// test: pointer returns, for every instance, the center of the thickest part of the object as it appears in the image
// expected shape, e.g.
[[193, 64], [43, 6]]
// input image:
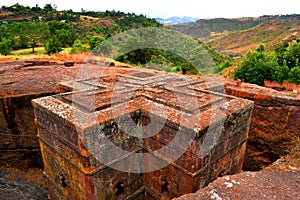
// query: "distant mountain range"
[[206, 29], [272, 33], [236, 36], [176, 20]]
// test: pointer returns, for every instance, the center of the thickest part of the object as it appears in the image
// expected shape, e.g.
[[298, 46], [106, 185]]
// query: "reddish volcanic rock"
[[83, 137], [279, 181], [20, 83], [251, 186], [274, 130], [275, 123]]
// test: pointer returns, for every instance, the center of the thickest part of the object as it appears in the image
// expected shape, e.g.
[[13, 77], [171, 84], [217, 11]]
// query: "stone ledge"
[[279, 181], [251, 186]]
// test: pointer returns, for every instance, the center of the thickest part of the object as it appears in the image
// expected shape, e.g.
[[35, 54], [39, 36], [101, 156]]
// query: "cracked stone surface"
[[256, 185], [18, 184], [13, 190], [279, 181], [252, 185]]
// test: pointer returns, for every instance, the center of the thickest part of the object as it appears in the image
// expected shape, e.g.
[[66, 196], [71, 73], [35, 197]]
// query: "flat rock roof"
[[143, 90], [21, 78]]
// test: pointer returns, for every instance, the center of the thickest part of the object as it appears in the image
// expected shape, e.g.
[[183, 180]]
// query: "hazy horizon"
[[170, 8]]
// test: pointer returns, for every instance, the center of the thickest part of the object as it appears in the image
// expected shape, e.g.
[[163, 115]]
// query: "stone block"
[[18, 142], [139, 135], [275, 123]]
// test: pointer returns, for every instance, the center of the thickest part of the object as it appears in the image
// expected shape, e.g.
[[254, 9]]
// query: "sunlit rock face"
[[139, 135], [275, 123]]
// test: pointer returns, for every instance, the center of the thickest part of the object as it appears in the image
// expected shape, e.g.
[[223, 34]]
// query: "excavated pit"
[[117, 114], [273, 131]]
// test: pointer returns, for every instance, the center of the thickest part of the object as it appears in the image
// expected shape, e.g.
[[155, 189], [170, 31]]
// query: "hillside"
[[206, 29], [272, 33], [24, 27], [85, 23]]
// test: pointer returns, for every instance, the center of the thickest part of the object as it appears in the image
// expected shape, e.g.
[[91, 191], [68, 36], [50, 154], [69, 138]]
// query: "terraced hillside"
[[271, 33], [23, 27], [236, 36], [208, 28]]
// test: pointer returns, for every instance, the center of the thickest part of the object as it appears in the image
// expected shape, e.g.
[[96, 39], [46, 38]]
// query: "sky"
[[168, 8]]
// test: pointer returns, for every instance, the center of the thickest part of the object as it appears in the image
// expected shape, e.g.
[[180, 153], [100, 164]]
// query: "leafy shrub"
[[281, 65], [95, 41], [53, 45], [294, 75], [258, 66], [5, 47], [78, 47], [224, 66]]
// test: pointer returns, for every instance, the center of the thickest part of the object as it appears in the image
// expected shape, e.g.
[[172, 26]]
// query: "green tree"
[[5, 32], [95, 41], [103, 31], [53, 45], [294, 75], [48, 8], [134, 53], [5, 47], [293, 55], [22, 42], [36, 9], [34, 18], [258, 66], [19, 9], [7, 37], [281, 53], [78, 47], [66, 37], [188, 68], [49, 16], [64, 33], [57, 25], [34, 33], [289, 53]]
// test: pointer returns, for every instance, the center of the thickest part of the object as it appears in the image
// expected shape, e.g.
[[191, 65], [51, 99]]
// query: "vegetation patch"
[[280, 65]]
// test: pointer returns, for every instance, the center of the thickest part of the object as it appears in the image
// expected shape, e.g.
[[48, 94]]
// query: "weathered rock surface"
[[20, 83], [279, 181], [194, 136], [13, 190], [275, 123], [251, 186], [277, 112], [16, 184]]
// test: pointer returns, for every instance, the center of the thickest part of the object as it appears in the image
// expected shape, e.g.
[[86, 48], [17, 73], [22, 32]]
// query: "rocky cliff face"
[[218, 135], [275, 123], [20, 83], [251, 186], [279, 181], [274, 130]]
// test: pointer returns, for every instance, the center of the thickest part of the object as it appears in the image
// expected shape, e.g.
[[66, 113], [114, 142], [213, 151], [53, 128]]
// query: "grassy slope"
[[203, 27], [271, 33], [87, 26], [39, 54], [27, 53]]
